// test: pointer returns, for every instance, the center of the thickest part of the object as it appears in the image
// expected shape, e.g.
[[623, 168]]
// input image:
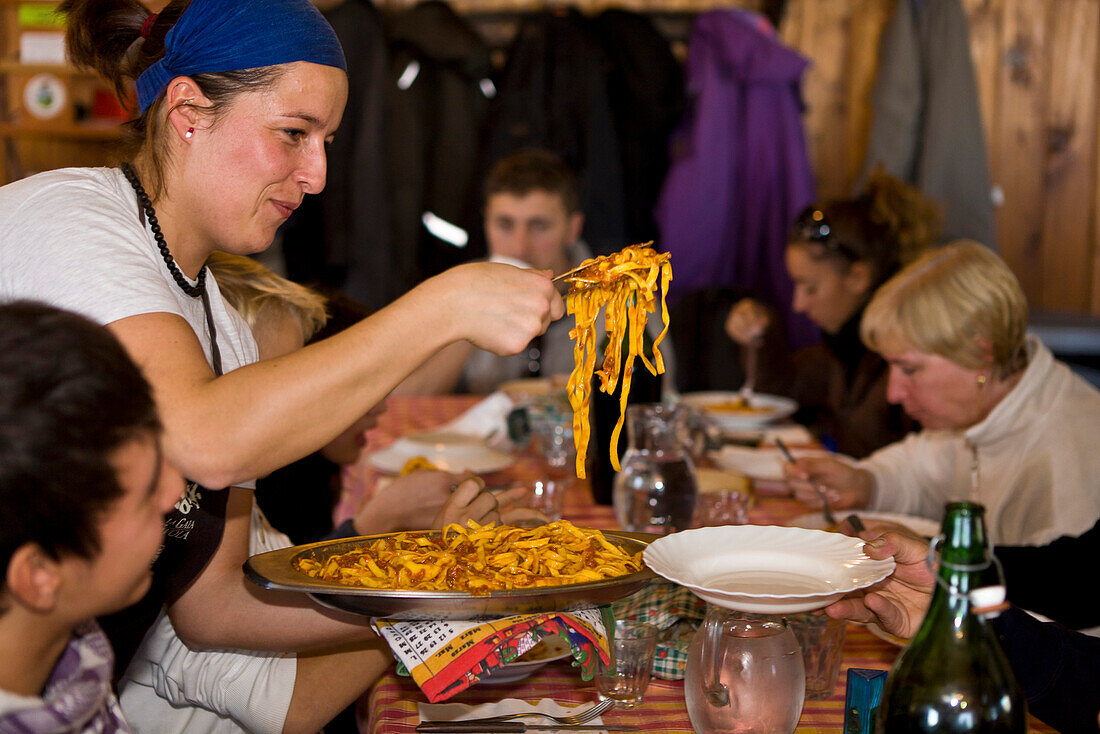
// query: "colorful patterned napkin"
[[446, 657], [676, 612]]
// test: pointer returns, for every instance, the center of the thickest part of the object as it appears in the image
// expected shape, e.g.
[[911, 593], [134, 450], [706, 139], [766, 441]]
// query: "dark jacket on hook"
[[553, 94], [646, 90], [342, 237], [437, 115]]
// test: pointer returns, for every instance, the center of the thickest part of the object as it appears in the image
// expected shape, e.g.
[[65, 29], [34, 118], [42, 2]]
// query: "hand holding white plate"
[[765, 569], [453, 452]]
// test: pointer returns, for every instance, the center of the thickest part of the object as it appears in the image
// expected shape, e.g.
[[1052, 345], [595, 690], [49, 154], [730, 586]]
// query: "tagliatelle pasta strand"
[[623, 285], [478, 559]]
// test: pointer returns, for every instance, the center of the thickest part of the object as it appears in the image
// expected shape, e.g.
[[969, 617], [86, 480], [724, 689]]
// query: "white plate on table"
[[453, 452], [766, 569], [919, 525], [718, 407], [762, 463], [545, 651]]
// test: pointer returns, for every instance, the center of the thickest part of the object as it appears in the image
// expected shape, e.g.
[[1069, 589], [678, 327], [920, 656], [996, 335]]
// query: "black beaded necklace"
[[147, 212]]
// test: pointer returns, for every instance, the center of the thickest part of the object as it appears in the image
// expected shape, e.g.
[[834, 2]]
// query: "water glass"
[[724, 498], [550, 422], [551, 431], [721, 508], [822, 641], [547, 496], [626, 677]]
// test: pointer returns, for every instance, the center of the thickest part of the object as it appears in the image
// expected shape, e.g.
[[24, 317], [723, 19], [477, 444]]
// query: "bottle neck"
[[965, 561]]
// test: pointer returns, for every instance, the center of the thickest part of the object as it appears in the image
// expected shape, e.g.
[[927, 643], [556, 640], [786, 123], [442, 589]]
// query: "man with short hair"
[[532, 220], [84, 488], [532, 212]]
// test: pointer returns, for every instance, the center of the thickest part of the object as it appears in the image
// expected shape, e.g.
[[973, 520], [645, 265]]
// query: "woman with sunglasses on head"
[[1003, 422], [237, 100], [840, 251]]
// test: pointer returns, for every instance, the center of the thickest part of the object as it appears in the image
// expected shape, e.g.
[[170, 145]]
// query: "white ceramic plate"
[[547, 650], [767, 408], [765, 569], [764, 463], [919, 525], [454, 452]]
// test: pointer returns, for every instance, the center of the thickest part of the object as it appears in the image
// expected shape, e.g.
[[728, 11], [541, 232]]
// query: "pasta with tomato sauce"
[[624, 285], [478, 559]]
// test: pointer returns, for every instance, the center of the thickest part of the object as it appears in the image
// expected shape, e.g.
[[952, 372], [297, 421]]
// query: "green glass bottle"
[[954, 676]]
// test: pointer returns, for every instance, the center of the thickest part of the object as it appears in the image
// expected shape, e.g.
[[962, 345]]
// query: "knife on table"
[[508, 727]]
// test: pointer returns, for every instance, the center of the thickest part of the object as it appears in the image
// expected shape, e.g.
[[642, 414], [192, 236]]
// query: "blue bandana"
[[230, 35]]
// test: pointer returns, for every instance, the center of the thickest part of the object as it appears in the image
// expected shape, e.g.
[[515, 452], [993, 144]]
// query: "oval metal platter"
[[275, 570]]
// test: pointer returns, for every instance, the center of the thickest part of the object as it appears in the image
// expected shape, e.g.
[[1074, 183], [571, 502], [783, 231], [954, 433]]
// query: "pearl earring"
[[190, 132]]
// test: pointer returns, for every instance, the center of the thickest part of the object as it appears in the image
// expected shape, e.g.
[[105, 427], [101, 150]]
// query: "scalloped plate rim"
[[656, 553]]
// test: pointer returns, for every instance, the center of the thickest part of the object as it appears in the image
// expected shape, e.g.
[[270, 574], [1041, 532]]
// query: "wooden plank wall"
[[1038, 72], [1038, 68]]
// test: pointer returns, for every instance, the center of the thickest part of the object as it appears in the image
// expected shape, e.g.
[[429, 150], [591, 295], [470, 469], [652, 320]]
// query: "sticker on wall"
[[44, 96]]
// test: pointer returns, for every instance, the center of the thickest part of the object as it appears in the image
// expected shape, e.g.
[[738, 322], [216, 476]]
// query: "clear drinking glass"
[[724, 498], [655, 490], [551, 426], [744, 676], [721, 507], [547, 496], [626, 677], [822, 641]]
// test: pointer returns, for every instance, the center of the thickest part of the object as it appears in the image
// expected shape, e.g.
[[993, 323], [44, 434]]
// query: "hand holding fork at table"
[[844, 485]]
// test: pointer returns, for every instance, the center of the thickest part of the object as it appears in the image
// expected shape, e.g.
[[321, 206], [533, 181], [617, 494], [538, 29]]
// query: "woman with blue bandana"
[[237, 100]]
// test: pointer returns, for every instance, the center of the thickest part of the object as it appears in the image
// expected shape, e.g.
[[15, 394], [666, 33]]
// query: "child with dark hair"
[[83, 493]]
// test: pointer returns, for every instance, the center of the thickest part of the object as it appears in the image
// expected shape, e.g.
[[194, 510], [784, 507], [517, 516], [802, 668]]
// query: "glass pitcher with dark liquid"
[[655, 490]]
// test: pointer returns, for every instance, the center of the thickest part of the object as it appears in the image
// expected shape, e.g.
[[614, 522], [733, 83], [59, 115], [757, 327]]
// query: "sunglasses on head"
[[813, 226]]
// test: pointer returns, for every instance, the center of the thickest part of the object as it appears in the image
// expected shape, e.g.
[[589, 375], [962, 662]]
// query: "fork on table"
[[581, 717]]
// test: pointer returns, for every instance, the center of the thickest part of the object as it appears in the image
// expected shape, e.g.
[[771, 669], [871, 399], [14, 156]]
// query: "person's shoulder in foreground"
[[84, 489]]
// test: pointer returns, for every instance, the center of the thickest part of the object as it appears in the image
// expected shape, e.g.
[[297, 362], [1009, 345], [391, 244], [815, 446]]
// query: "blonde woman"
[[1004, 423]]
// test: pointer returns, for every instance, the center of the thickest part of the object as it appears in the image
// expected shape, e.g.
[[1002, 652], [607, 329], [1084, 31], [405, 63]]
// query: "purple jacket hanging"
[[740, 172]]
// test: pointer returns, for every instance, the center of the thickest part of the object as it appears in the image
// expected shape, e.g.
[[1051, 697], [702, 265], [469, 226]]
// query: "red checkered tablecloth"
[[391, 707]]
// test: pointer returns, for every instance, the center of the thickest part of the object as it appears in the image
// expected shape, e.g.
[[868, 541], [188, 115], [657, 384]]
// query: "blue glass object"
[[863, 691]]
